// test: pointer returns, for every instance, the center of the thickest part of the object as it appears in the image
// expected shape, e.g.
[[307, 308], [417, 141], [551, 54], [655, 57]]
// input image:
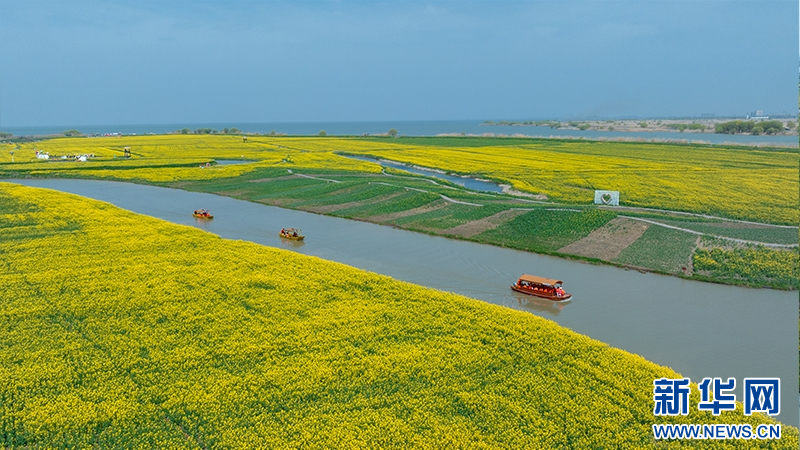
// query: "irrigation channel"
[[698, 329], [469, 183]]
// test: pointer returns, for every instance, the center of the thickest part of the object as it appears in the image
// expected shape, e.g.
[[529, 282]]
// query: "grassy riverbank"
[[126, 331], [556, 217]]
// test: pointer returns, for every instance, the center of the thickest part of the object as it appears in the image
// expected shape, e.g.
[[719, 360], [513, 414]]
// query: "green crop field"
[[546, 230], [660, 248], [751, 265], [308, 174], [726, 229]]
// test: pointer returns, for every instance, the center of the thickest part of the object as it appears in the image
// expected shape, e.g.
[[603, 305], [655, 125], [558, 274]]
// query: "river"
[[698, 329]]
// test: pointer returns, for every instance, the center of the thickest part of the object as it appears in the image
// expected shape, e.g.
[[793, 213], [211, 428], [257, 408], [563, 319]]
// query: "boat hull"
[[200, 216], [540, 294], [294, 238]]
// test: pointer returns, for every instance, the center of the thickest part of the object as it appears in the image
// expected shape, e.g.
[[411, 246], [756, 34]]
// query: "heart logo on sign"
[[606, 198]]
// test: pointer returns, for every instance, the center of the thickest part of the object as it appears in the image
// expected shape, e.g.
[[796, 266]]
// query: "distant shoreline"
[[695, 139], [693, 126], [468, 128]]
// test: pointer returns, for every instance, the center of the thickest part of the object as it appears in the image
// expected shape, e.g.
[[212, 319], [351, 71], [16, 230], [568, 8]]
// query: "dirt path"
[[683, 213], [340, 206], [317, 178], [476, 227], [609, 241], [432, 206], [266, 180], [699, 233], [428, 192]]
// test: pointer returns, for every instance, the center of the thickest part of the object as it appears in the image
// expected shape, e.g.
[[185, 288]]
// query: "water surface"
[[698, 329], [469, 183], [409, 128], [229, 162]]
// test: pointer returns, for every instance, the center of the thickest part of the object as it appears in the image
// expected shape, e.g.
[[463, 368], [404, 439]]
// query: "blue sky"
[[106, 62]]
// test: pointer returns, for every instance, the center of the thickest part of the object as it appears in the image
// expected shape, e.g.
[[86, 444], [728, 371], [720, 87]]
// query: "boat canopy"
[[540, 280]]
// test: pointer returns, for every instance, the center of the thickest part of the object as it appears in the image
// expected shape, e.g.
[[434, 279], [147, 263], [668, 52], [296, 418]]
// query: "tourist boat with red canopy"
[[546, 288], [202, 214], [294, 234]]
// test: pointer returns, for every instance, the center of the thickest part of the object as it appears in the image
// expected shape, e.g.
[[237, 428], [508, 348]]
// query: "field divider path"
[[561, 209], [458, 201], [507, 191], [383, 171], [476, 227], [705, 216], [446, 198], [699, 233], [686, 230], [313, 178]]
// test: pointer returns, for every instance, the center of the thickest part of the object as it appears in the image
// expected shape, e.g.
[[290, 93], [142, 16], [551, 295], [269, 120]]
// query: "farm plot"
[[753, 184], [308, 174]]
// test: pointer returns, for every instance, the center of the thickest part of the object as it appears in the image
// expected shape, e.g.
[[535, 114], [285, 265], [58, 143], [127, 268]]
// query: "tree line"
[[749, 126], [208, 131]]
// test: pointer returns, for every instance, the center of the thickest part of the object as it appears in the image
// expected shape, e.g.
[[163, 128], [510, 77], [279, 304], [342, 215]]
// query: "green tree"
[[72, 133], [323, 133], [678, 126], [772, 126], [185, 131], [393, 132]]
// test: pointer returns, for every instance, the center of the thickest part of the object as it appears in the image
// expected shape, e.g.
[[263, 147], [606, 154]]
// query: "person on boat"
[[283, 231], [559, 292], [294, 234]]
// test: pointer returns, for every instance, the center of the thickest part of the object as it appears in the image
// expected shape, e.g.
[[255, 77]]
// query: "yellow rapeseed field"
[[120, 330], [733, 182], [167, 158], [759, 185]]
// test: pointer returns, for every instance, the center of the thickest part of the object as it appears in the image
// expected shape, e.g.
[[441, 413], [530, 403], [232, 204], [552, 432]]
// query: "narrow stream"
[[469, 183], [698, 329]]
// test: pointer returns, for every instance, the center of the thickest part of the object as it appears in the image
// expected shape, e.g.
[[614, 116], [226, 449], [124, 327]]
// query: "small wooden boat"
[[294, 234], [541, 287], [202, 214]]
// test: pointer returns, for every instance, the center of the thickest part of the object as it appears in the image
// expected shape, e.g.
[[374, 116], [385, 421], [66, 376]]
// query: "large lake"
[[409, 128], [698, 329]]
